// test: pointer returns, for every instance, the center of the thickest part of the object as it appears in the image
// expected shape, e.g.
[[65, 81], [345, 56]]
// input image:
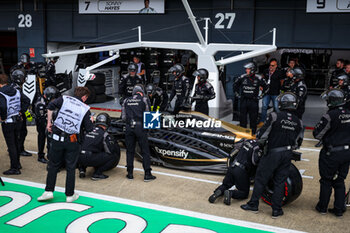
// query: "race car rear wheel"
[[292, 187]]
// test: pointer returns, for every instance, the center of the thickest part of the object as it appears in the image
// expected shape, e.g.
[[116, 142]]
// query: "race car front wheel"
[[292, 187]]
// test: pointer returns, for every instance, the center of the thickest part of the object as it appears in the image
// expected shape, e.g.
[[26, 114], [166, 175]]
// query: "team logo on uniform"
[[151, 120]]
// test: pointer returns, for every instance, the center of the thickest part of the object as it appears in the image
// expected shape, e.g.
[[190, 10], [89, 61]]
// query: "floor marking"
[[33, 152], [302, 171], [161, 208], [309, 149], [177, 176], [307, 160], [310, 139]]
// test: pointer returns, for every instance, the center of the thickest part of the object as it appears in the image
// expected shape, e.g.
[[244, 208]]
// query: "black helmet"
[[179, 69], [132, 67], [51, 93], [287, 101], [138, 88], [345, 78], [103, 119], [251, 66], [297, 73], [24, 58], [54, 59], [18, 76], [150, 89], [202, 73], [334, 97]]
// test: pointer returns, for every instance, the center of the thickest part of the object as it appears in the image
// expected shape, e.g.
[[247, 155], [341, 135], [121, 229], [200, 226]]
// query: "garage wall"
[[30, 31], [296, 28], [59, 21]]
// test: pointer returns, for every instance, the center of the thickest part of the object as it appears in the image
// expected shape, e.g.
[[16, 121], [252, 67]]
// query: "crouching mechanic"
[[247, 155], [98, 149], [333, 129], [158, 98], [132, 114], [73, 115], [282, 132]]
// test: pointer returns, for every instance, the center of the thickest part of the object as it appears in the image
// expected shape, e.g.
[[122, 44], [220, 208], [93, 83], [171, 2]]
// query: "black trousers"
[[249, 107], [300, 111], [41, 128], [22, 135], [333, 170], [238, 177], [133, 135], [275, 166], [10, 132], [178, 105], [202, 107], [62, 153], [100, 161]]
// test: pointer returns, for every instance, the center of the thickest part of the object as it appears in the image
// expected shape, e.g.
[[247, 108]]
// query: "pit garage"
[[96, 41]]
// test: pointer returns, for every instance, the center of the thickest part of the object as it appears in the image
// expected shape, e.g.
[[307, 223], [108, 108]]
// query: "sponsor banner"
[[20, 212], [121, 7], [322, 6]]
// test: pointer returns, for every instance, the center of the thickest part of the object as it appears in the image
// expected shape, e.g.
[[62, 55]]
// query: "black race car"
[[201, 149]]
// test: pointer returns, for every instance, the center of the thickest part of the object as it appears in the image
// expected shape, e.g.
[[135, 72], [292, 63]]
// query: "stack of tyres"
[[97, 89]]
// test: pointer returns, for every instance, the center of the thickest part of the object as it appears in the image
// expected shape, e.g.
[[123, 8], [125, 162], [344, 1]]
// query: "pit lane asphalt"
[[190, 190]]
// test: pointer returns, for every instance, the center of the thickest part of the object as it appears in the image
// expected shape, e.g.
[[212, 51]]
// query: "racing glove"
[[29, 116]]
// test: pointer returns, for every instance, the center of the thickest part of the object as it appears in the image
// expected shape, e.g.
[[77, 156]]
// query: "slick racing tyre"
[[292, 187], [92, 96], [99, 89], [100, 79], [100, 98]]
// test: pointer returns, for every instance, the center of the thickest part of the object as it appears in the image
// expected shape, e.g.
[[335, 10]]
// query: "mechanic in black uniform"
[[247, 155], [50, 72], [73, 115], [333, 129], [282, 133], [339, 70], [132, 114], [127, 82], [158, 98], [204, 91], [343, 84], [12, 104], [25, 67], [98, 149], [181, 87], [25, 64], [295, 84], [40, 109], [249, 85]]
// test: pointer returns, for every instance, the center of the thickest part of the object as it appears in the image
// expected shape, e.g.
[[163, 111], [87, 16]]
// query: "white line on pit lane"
[[310, 139], [193, 178], [188, 177], [309, 149], [177, 176], [302, 172]]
